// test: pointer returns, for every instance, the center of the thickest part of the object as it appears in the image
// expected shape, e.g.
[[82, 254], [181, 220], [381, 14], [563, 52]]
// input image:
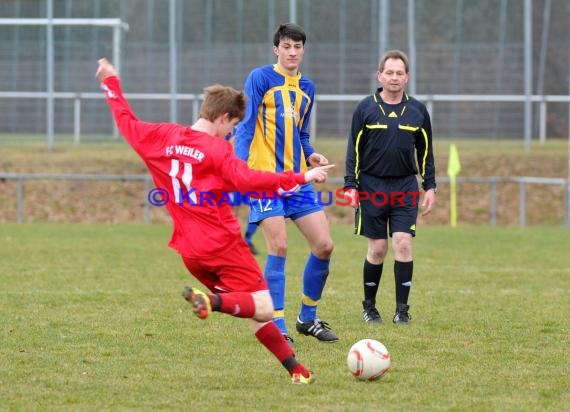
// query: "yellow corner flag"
[[454, 166], [453, 169]]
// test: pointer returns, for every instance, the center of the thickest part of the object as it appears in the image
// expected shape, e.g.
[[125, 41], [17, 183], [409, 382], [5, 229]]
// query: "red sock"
[[238, 304], [271, 337]]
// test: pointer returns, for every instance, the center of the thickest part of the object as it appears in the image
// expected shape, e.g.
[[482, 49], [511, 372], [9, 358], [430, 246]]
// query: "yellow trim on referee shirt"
[[423, 167]]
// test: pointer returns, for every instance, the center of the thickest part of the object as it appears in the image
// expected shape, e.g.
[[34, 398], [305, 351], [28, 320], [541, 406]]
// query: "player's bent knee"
[[263, 306], [323, 249], [263, 317], [278, 247], [263, 314], [329, 247]]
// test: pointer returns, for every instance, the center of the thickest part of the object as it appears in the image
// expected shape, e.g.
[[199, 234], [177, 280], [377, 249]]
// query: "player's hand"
[[105, 70], [288, 192], [353, 195], [429, 201], [317, 159], [318, 174]]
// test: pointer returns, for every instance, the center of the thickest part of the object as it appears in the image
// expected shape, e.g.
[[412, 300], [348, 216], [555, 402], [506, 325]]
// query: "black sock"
[[215, 302], [371, 279], [403, 275], [290, 363]]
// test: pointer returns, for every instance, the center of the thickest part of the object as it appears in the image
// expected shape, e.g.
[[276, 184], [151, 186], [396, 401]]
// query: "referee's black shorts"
[[387, 205]]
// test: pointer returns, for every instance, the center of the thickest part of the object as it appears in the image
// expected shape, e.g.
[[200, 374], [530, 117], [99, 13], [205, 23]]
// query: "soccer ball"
[[368, 359]]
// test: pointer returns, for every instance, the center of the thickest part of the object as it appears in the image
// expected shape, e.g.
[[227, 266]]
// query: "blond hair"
[[220, 99]]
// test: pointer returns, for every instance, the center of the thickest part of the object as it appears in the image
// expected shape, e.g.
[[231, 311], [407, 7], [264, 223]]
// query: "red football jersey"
[[198, 171]]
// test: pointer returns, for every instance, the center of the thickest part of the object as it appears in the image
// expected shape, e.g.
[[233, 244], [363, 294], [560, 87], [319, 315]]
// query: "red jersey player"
[[196, 169]]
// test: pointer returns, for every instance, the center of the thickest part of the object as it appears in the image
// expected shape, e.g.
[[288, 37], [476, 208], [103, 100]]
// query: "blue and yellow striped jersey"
[[274, 134]]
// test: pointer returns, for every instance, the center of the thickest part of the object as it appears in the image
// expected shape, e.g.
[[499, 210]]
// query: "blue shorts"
[[300, 204]]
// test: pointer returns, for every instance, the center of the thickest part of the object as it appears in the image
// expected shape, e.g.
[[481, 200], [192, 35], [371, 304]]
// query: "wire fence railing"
[[492, 182], [317, 126]]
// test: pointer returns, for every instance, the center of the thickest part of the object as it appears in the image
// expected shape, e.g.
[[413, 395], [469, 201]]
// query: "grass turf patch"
[[93, 319]]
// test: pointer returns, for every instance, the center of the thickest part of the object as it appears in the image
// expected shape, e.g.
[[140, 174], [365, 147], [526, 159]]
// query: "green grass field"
[[93, 319]]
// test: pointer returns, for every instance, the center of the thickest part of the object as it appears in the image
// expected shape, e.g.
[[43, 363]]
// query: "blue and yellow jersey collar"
[[278, 70]]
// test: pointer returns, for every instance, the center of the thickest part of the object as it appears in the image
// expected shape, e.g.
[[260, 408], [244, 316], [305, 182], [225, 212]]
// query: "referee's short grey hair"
[[393, 54]]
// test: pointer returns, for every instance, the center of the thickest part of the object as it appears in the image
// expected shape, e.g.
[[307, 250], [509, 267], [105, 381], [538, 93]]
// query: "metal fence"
[[176, 47], [493, 183], [435, 104], [488, 68]]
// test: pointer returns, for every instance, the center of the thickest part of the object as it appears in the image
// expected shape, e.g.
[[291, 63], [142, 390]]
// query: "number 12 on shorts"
[[263, 205]]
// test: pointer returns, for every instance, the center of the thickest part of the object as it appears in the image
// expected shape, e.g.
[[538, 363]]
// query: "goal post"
[[117, 25]]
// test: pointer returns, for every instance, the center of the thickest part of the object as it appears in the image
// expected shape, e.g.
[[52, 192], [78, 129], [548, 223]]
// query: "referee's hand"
[[353, 195], [429, 201]]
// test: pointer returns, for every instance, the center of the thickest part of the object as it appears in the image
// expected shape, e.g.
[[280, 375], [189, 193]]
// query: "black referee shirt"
[[390, 140]]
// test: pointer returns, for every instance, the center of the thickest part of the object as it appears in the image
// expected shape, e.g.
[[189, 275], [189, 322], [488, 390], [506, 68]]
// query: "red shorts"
[[234, 270]]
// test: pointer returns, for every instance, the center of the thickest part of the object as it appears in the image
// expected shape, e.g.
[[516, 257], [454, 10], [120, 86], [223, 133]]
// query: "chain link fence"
[[460, 47]]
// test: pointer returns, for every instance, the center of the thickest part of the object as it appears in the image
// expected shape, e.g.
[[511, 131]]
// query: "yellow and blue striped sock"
[[314, 279]]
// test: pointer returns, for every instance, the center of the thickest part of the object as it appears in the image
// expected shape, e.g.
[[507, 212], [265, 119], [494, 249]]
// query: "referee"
[[389, 145]]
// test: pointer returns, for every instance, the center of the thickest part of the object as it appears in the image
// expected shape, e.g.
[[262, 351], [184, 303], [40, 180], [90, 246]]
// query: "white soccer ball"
[[368, 359]]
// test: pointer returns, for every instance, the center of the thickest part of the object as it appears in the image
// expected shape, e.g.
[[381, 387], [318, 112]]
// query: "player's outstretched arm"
[[136, 132], [318, 174]]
